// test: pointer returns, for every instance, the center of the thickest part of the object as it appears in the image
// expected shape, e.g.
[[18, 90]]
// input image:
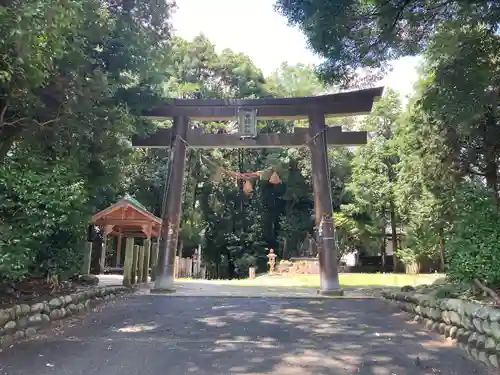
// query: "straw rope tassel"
[[274, 179]]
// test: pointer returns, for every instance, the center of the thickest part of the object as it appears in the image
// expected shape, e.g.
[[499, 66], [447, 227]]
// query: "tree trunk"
[[179, 250], [217, 266], [491, 176], [382, 248], [488, 291], [394, 234], [242, 202], [490, 152], [441, 252], [179, 255], [8, 135], [392, 212]]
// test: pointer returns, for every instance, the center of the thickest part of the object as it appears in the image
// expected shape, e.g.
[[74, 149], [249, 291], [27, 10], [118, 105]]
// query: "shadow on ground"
[[208, 288], [152, 335]]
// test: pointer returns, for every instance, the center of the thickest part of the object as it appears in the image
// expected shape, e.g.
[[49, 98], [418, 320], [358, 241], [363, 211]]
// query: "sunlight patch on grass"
[[346, 279], [389, 279]]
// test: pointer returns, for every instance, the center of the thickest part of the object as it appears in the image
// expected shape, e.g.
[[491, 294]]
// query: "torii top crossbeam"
[[350, 103]]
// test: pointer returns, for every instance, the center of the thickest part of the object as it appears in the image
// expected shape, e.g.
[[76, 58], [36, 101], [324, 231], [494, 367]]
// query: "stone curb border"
[[22, 321], [474, 327]]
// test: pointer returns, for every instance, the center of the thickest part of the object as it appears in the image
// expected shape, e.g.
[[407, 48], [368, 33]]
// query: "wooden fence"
[[141, 261], [183, 267]]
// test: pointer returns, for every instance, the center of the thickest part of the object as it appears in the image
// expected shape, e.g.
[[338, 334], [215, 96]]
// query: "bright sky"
[[254, 28]]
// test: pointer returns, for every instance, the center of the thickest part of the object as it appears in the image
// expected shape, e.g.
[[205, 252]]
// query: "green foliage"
[[294, 81], [473, 245], [425, 184], [75, 77], [353, 34], [352, 233], [233, 224], [245, 262], [461, 96], [446, 291], [448, 135], [373, 180], [43, 218]]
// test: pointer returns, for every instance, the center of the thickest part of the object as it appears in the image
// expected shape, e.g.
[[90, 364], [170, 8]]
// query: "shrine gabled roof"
[[134, 202], [127, 200]]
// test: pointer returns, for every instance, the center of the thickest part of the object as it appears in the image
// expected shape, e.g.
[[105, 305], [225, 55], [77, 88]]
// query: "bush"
[[407, 256], [473, 247], [42, 219]]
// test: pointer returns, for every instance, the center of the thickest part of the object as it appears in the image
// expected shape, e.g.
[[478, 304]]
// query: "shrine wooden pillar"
[[102, 259], [119, 250], [128, 262], [172, 212], [140, 264], [135, 261], [147, 260], [106, 230], [154, 259], [87, 257], [87, 253], [329, 277]]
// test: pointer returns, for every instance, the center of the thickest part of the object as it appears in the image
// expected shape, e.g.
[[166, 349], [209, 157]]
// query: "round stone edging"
[[23, 321], [475, 328]]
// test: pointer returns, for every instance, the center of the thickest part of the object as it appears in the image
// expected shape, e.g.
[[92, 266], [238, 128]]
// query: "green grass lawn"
[[376, 279], [346, 279]]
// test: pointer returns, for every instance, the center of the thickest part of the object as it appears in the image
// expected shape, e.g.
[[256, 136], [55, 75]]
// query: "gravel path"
[[161, 335]]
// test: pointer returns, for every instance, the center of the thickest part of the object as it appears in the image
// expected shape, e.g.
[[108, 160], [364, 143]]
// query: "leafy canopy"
[[352, 34]]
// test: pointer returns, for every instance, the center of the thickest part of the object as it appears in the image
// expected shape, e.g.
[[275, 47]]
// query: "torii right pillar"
[[323, 207]]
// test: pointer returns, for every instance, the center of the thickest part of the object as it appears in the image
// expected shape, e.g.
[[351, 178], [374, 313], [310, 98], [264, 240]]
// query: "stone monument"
[[309, 247], [307, 263]]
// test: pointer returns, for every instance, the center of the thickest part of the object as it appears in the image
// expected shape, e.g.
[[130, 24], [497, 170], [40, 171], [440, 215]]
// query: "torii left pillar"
[[172, 212]]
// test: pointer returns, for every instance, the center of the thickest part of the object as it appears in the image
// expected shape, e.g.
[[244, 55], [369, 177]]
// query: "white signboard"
[[247, 121]]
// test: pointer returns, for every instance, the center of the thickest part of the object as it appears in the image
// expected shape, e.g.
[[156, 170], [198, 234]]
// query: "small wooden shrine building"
[[128, 219]]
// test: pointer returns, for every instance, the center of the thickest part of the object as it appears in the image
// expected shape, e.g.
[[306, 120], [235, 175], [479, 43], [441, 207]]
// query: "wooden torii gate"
[[318, 137]]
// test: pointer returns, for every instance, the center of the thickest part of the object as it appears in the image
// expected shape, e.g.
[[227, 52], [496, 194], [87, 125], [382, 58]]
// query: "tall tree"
[[354, 34], [74, 78], [217, 209], [463, 96], [450, 136], [294, 81], [374, 173]]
